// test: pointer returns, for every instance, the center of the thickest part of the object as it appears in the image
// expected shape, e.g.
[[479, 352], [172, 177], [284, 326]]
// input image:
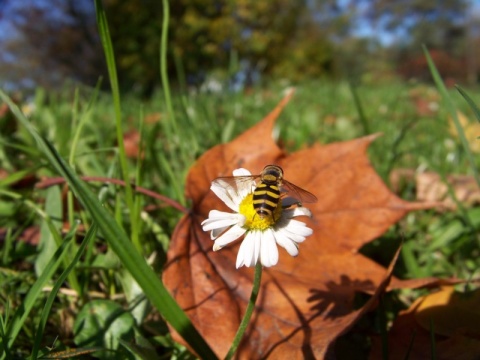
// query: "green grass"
[[436, 244]]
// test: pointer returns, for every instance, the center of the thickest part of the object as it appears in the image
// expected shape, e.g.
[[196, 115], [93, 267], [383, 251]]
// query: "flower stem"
[[248, 312]]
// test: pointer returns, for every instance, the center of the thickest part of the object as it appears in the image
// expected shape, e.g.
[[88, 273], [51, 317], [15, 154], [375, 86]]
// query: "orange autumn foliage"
[[306, 302], [447, 318]]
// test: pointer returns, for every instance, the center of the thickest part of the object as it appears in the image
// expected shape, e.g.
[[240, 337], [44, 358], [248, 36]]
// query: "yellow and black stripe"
[[266, 198]]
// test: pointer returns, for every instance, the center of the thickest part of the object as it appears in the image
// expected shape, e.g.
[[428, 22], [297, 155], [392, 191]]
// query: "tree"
[[430, 22], [203, 34], [54, 40], [58, 39], [440, 25]]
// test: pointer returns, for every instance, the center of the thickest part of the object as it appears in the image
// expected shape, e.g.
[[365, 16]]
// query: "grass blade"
[[470, 102], [120, 243], [163, 67], [453, 113], [23, 311], [51, 297], [359, 107], [112, 73]]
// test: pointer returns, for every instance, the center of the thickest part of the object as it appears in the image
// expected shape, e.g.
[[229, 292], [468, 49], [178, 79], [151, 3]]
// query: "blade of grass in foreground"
[[120, 243], [470, 102], [466, 146], [112, 74], [474, 108], [163, 66], [171, 125], [453, 113], [51, 297], [359, 107]]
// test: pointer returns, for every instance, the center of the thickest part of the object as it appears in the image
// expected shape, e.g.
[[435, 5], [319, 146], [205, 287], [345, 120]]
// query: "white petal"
[[297, 211], [291, 230], [298, 238], [249, 250], [269, 251], [242, 251], [220, 219], [244, 187], [299, 228], [224, 192], [257, 236], [241, 172], [233, 194], [226, 238], [285, 242], [217, 232]]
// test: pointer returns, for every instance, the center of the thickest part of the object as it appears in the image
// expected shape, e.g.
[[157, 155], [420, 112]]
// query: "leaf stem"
[[248, 312]]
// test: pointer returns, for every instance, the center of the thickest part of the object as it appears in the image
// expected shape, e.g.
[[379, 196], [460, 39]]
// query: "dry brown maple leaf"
[[431, 187], [471, 130], [452, 318], [306, 302]]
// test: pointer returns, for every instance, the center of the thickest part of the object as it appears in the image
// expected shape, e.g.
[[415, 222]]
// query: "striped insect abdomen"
[[265, 199]]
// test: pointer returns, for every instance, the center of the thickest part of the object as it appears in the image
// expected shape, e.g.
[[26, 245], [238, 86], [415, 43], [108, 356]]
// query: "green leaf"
[[48, 243], [51, 297], [135, 297], [102, 323], [142, 349]]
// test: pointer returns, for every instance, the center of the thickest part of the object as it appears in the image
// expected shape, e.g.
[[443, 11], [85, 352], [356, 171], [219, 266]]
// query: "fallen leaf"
[[305, 303], [425, 100], [399, 179], [471, 129], [131, 142], [18, 180], [450, 312], [453, 318], [30, 235], [430, 187], [153, 118]]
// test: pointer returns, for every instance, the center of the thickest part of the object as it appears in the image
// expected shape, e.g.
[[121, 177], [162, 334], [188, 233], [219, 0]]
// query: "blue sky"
[[365, 29]]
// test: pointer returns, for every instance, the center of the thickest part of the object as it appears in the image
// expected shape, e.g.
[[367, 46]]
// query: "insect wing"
[[235, 181], [298, 193]]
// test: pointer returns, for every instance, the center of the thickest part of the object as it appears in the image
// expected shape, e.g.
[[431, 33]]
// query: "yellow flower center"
[[253, 221]]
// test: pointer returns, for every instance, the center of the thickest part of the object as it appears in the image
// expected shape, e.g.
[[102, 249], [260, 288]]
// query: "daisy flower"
[[261, 234]]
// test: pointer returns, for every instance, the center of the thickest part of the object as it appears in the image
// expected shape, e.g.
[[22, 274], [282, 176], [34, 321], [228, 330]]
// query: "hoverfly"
[[267, 194]]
